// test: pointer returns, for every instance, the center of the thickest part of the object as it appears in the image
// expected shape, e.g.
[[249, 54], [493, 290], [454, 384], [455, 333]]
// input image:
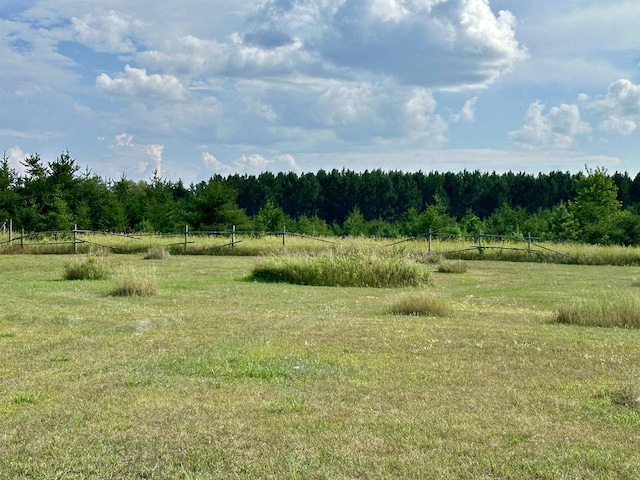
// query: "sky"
[[193, 88]]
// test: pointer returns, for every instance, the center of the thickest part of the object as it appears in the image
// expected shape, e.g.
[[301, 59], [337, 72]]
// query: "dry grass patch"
[[343, 267], [422, 305], [610, 309], [136, 283], [91, 268], [157, 253], [452, 266]]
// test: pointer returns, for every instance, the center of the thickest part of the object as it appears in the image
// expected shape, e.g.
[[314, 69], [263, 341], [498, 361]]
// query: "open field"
[[217, 378]]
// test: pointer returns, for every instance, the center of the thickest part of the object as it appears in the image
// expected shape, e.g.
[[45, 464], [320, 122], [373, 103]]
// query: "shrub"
[[605, 310], [452, 266], [91, 268], [422, 305], [350, 267], [136, 283]]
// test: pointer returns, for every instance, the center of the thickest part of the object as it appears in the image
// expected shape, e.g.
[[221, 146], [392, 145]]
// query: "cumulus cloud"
[[619, 109], [253, 164], [106, 31], [136, 82], [446, 44], [16, 156], [144, 154], [556, 129], [467, 113]]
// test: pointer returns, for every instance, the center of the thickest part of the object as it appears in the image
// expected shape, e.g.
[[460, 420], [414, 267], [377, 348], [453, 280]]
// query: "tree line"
[[590, 206]]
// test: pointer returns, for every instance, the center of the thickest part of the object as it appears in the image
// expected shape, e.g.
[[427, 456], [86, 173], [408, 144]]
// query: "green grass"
[[219, 378]]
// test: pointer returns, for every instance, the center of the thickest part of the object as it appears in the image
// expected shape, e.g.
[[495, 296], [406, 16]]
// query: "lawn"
[[216, 377]]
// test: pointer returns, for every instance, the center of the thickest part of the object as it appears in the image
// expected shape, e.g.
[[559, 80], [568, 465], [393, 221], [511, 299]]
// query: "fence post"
[[10, 231], [22, 239], [75, 238], [186, 236], [480, 241], [529, 243], [430, 239], [284, 235], [233, 237]]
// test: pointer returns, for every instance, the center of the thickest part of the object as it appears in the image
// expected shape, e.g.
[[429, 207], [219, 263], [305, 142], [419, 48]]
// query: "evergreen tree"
[[596, 205]]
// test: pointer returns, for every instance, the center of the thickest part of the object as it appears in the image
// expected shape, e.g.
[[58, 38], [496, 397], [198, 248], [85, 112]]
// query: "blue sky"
[[200, 87]]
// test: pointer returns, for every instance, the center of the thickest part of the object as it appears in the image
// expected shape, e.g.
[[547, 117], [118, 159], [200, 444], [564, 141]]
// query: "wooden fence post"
[[10, 231], [233, 237], [22, 239], [75, 238], [430, 239], [186, 236], [480, 241], [529, 243], [284, 235]]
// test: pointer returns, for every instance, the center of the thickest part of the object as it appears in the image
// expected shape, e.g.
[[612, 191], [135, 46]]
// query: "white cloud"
[[136, 82], [619, 109], [143, 154], [253, 164], [123, 140], [106, 31], [556, 129], [154, 152], [467, 114], [449, 44], [16, 156]]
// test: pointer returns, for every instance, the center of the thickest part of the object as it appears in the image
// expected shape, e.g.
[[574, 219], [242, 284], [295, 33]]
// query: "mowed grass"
[[215, 377]]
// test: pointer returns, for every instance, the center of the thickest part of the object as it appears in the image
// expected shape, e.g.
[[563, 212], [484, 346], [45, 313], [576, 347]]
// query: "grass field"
[[215, 377]]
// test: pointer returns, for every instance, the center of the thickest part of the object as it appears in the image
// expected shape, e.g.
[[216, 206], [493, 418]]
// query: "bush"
[[604, 310], [91, 268], [136, 283], [422, 305], [349, 267]]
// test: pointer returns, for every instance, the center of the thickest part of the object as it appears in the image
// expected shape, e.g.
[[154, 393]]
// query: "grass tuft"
[[136, 283], [91, 268], [628, 397], [605, 310], [452, 266], [347, 267], [157, 253], [422, 305]]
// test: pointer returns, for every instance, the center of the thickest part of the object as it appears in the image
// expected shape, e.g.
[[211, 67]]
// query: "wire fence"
[[221, 241]]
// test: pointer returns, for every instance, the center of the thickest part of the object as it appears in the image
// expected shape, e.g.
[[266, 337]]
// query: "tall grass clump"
[[604, 310], [157, 253], [136, 283], [91, 268], [422, 305], [452, 266], [343, 267]]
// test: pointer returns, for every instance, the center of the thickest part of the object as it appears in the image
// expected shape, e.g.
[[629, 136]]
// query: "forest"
[[591, 206]]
